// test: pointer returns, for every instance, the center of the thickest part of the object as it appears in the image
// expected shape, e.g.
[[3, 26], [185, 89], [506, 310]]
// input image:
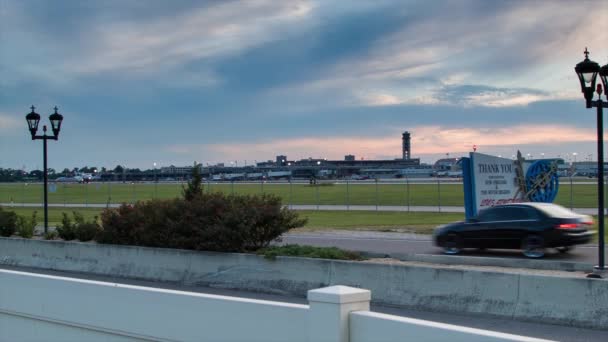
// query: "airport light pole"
[[33, 119], [587, 72]]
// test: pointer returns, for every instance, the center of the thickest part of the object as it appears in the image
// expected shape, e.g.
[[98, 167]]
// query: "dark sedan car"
[[531, 227]]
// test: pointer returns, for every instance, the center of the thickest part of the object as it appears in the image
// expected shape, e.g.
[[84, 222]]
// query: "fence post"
[[317, 194], [376, 179], [407, 188], [571, 192], [347, 196], [289, 205], [23, 194], [133, 193], [86, 195], [109, 194], [330, 309], [232, 186], [439, 194]]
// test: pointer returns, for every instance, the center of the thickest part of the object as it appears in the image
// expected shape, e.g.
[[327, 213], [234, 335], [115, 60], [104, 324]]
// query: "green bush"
[[212, 222], [81, 229], [309, 252], [66, 230], [8, 222], [51, 235], [26, 227]]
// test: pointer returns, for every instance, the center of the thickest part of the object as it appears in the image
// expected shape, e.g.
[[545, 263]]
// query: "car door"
[[507, 232], [476, 233], [496, 229]]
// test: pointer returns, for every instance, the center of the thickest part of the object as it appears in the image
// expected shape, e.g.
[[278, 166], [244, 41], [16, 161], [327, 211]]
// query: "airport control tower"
[[406, 146]]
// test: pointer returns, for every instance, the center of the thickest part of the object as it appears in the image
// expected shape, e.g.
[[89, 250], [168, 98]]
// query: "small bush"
[[66, 230], [87, 231], [309, 252], [81, 229], [51, 235], [194, 188], [8, 222], [211, 222], [25, 226]]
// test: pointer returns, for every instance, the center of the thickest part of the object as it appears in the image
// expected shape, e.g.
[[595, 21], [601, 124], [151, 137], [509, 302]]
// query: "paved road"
[[546, 331], [389, 243]]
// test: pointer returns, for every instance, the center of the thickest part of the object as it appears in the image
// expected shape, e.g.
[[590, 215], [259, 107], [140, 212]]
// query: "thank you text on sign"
[[494, 181]]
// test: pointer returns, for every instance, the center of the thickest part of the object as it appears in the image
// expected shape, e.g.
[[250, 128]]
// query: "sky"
[[157, 82]]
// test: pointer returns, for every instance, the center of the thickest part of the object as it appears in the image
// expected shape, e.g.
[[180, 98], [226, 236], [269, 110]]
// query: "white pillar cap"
[[339, 295]]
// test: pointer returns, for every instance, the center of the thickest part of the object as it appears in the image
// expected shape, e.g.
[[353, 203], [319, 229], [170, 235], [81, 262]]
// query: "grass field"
[[317, 220], [444, 194], [401, 222]]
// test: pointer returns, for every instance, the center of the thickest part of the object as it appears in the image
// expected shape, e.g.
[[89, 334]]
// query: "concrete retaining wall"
[[573, 301], [35, 307]]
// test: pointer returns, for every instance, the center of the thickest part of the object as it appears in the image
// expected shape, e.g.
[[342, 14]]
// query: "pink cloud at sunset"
[[425, 140]]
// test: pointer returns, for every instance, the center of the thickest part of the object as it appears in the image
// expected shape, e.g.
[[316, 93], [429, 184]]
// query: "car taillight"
[[567, 226], [589, 223]]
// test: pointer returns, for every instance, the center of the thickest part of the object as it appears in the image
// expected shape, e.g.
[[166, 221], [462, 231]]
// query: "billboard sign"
[[490, 180]]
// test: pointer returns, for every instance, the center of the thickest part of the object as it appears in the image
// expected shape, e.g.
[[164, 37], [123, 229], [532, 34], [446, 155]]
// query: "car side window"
[[507, 214], [490, 214], [516, 213], [532, 214]]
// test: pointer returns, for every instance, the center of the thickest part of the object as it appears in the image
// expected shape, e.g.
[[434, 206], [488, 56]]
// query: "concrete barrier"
[[67, 309], [553, 265], [564, 300]]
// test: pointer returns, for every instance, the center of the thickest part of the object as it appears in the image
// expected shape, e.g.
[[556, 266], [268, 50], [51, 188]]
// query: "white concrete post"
[[329, 312]]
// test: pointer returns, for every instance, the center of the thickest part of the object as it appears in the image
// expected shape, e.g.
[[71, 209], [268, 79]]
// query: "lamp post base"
[[598, 273]]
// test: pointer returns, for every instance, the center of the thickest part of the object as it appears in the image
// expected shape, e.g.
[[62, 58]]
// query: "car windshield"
[[557, 211]]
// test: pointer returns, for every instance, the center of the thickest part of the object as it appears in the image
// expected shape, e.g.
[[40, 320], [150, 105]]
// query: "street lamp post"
[[155, 182], [33, 119], [587, 71]]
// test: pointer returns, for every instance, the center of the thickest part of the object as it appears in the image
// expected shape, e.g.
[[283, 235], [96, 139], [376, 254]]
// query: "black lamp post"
[[587, 71], [33, 119]]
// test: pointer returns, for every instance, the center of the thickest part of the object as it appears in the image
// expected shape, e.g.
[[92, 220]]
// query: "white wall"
[[377, 327], [33, 306], [36, 307]]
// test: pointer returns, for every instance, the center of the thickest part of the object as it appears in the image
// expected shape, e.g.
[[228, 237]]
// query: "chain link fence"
[[401, 194]]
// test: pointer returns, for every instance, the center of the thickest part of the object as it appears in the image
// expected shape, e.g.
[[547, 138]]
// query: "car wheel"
[[564, 249], [533, 246], [452, 244]]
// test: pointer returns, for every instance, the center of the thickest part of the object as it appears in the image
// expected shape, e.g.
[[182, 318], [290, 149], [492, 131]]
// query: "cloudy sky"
[[172, 82]]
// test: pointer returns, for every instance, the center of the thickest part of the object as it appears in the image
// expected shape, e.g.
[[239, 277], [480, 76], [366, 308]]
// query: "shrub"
[[51, 235], [212, 222], [194, 188], [26, 227], [309, 252], [66, 230], [8, 222], [87, 231], [81, 229]]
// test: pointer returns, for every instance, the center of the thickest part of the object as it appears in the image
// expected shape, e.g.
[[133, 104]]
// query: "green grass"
[[415, 222], [576, 196], [317, 220], [55, 213], [309, 252], [412, 222]]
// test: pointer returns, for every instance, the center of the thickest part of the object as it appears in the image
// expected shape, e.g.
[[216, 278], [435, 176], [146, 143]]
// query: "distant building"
[[281, 160], [445, 164], [406, 145], [308, 168]]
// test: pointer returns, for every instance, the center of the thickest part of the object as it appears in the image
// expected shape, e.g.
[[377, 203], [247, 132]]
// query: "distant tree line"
[[17, 175]]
